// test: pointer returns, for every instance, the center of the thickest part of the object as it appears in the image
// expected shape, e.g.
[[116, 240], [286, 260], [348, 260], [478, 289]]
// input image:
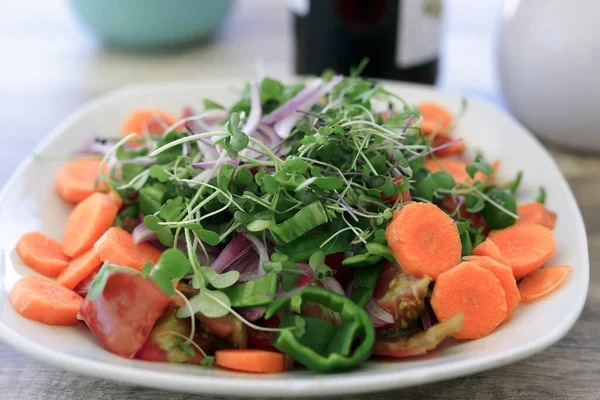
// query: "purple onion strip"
[[235, 249], [433, 150], [288, 108], [252, 313], [141, 234], [408, 122], [381, 319], [284, 126], [255, 111]]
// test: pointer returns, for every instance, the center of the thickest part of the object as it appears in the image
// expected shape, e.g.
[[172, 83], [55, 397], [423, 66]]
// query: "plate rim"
[[244, 386]]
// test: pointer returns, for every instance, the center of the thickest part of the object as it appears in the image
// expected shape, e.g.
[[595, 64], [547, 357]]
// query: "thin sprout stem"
[[190, 339], [232, 228], [334, 235], [268, 151], [244, 320], [182, 336], [112, 150], [190, 138]]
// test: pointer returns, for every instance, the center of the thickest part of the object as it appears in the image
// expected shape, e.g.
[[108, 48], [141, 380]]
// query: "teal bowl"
[[151, 23]]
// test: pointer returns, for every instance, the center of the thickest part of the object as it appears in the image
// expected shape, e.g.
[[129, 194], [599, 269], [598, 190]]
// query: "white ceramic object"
[[548, 54], [28, 202]]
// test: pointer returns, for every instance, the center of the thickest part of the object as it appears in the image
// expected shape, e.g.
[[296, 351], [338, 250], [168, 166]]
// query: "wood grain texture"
[[55, 69]]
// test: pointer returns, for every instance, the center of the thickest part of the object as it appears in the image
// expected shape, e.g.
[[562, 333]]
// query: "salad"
[[315, 224]]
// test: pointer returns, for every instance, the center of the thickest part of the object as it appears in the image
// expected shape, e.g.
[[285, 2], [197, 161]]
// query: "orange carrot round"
[[424, 240], [524, 247], [251, 360], [154, 121], [88, 221], [77, 180], [505, 276], [42, 253], [436, 118], [79, 268], [543, 281], [116, 247], [457, 168], [487, 248], [536, 213], [45, 301], [474, 291]]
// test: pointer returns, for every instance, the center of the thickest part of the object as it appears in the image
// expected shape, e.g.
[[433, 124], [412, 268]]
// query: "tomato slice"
[[262, 339], [123, 316], [449, 204], [163, 344]]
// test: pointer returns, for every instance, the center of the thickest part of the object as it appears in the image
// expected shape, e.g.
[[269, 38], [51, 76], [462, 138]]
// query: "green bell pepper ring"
[[334, 353]]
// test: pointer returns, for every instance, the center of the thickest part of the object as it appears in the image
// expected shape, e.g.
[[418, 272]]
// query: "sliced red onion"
[[187, 112], [255, 111], [96, 146], [381, 319], [333, 285], [83, 287], [288, 108], [284, 126], [246, 265], [252, 313], [408, 122], [434, 149], [235, 249], [203, 122], [263, 255], [428, 318], [141, 233]]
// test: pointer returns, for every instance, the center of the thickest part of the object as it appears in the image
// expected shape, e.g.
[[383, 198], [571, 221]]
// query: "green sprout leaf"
[[222, 280], [541, 197], [99, 282]]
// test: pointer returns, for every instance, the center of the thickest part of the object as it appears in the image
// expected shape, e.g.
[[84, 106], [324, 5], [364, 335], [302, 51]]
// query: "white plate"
[[28, 203]]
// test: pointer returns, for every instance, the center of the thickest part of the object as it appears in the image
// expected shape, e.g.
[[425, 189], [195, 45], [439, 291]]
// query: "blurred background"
[[56, 56], [534, 58]]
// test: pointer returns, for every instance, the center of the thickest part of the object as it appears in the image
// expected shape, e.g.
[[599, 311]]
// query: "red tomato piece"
[[449, 205], [262, 339], [123, 316]]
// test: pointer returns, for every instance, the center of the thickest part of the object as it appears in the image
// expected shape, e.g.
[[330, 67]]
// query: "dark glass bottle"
[[401, 38]]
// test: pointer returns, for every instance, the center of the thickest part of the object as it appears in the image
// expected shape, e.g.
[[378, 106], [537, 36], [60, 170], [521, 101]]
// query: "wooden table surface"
[[50, 67]]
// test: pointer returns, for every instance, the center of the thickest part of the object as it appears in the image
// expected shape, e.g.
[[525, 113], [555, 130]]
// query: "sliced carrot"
[[474, 291], [536, 213], [524, 247], [45, 301], [543, 281], [452, 150], [116, 247], [153, 121], [79, 268], [436, 118], [504, 274], [42, 253], [424, 240], [487, 248], [88, 221], [77, 179], [251, 360], [457, 168]]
